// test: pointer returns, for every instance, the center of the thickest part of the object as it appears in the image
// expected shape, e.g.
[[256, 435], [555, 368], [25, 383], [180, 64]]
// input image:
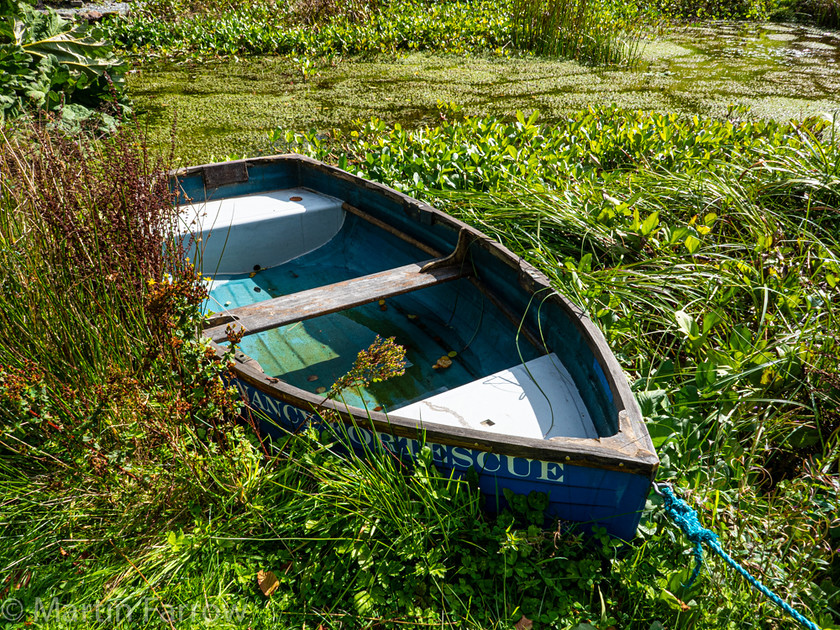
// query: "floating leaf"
[[267, 582]]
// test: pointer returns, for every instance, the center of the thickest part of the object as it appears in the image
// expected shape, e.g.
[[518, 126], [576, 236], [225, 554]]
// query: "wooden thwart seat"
[[331, 298]]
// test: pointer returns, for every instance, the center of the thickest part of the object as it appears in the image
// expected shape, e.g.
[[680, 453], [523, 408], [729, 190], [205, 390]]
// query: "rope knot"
[[686, 518]]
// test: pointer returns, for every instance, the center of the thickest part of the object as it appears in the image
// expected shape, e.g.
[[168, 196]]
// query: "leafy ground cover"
[[706, 249], [314, 30], [606, 33], [50, 64]]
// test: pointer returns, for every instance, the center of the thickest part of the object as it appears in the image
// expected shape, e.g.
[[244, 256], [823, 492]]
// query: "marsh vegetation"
[[701, 238]]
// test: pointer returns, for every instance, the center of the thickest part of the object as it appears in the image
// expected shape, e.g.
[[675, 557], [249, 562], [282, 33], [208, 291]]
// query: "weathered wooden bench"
[[331, 298]]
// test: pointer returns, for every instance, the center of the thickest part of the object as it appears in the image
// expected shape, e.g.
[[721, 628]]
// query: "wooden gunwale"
[[613, 453], [629, 450]]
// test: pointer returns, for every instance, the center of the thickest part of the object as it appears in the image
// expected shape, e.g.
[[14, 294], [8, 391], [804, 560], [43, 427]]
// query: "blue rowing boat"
[[504, 375]]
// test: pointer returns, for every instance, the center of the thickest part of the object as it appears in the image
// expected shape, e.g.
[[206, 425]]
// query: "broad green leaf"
[[710, 320], [692, 244], [687, 324], [650, 400], [706, 375], [650, 224], [740, 340]]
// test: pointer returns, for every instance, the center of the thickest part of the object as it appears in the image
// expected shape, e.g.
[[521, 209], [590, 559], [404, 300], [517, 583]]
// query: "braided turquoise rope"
[[686, 519]]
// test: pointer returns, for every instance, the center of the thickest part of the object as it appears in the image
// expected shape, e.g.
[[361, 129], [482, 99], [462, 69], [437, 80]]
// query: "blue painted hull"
[[591, 481], [576, 494]]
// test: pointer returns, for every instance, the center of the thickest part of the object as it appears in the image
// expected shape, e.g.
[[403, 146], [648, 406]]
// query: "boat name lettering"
[[448, 456], [462, 458], [285, 413]]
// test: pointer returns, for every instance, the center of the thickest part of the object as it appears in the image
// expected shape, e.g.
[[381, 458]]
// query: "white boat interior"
[[500, 389]]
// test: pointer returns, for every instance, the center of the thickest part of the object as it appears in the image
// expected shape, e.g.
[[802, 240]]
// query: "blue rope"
[[686, 519]]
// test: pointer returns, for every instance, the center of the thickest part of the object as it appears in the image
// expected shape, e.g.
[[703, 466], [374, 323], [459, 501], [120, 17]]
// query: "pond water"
[[228, 107], [779, 70]]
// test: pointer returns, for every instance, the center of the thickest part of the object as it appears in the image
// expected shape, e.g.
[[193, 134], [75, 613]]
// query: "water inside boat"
[[268, 245]]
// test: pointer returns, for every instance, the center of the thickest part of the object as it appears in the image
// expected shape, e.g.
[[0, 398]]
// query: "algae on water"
[[228, 107]]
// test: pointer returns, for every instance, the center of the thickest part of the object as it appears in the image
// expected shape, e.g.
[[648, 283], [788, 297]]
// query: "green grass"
[[707, 251], [710, 260], [578, 29]]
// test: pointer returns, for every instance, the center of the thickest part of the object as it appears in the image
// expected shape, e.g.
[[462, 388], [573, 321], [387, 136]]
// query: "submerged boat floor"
[[496, 382]]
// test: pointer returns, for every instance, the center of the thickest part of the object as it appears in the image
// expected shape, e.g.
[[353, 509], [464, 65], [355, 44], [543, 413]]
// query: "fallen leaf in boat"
[[382, 305], [410, 316], [378, 408], [252, 274], [320, 390], [443, 362], [524, 623], [295, 198], [311, 377], [452, 354], [271, 379], [267, 582]]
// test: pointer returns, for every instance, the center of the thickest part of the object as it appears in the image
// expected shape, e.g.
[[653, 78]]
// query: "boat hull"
[[601, 480], [580, 495]]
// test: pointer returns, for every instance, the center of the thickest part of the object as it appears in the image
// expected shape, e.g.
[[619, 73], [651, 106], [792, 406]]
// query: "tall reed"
[[584, 30], [825, 12], [83, 228]]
